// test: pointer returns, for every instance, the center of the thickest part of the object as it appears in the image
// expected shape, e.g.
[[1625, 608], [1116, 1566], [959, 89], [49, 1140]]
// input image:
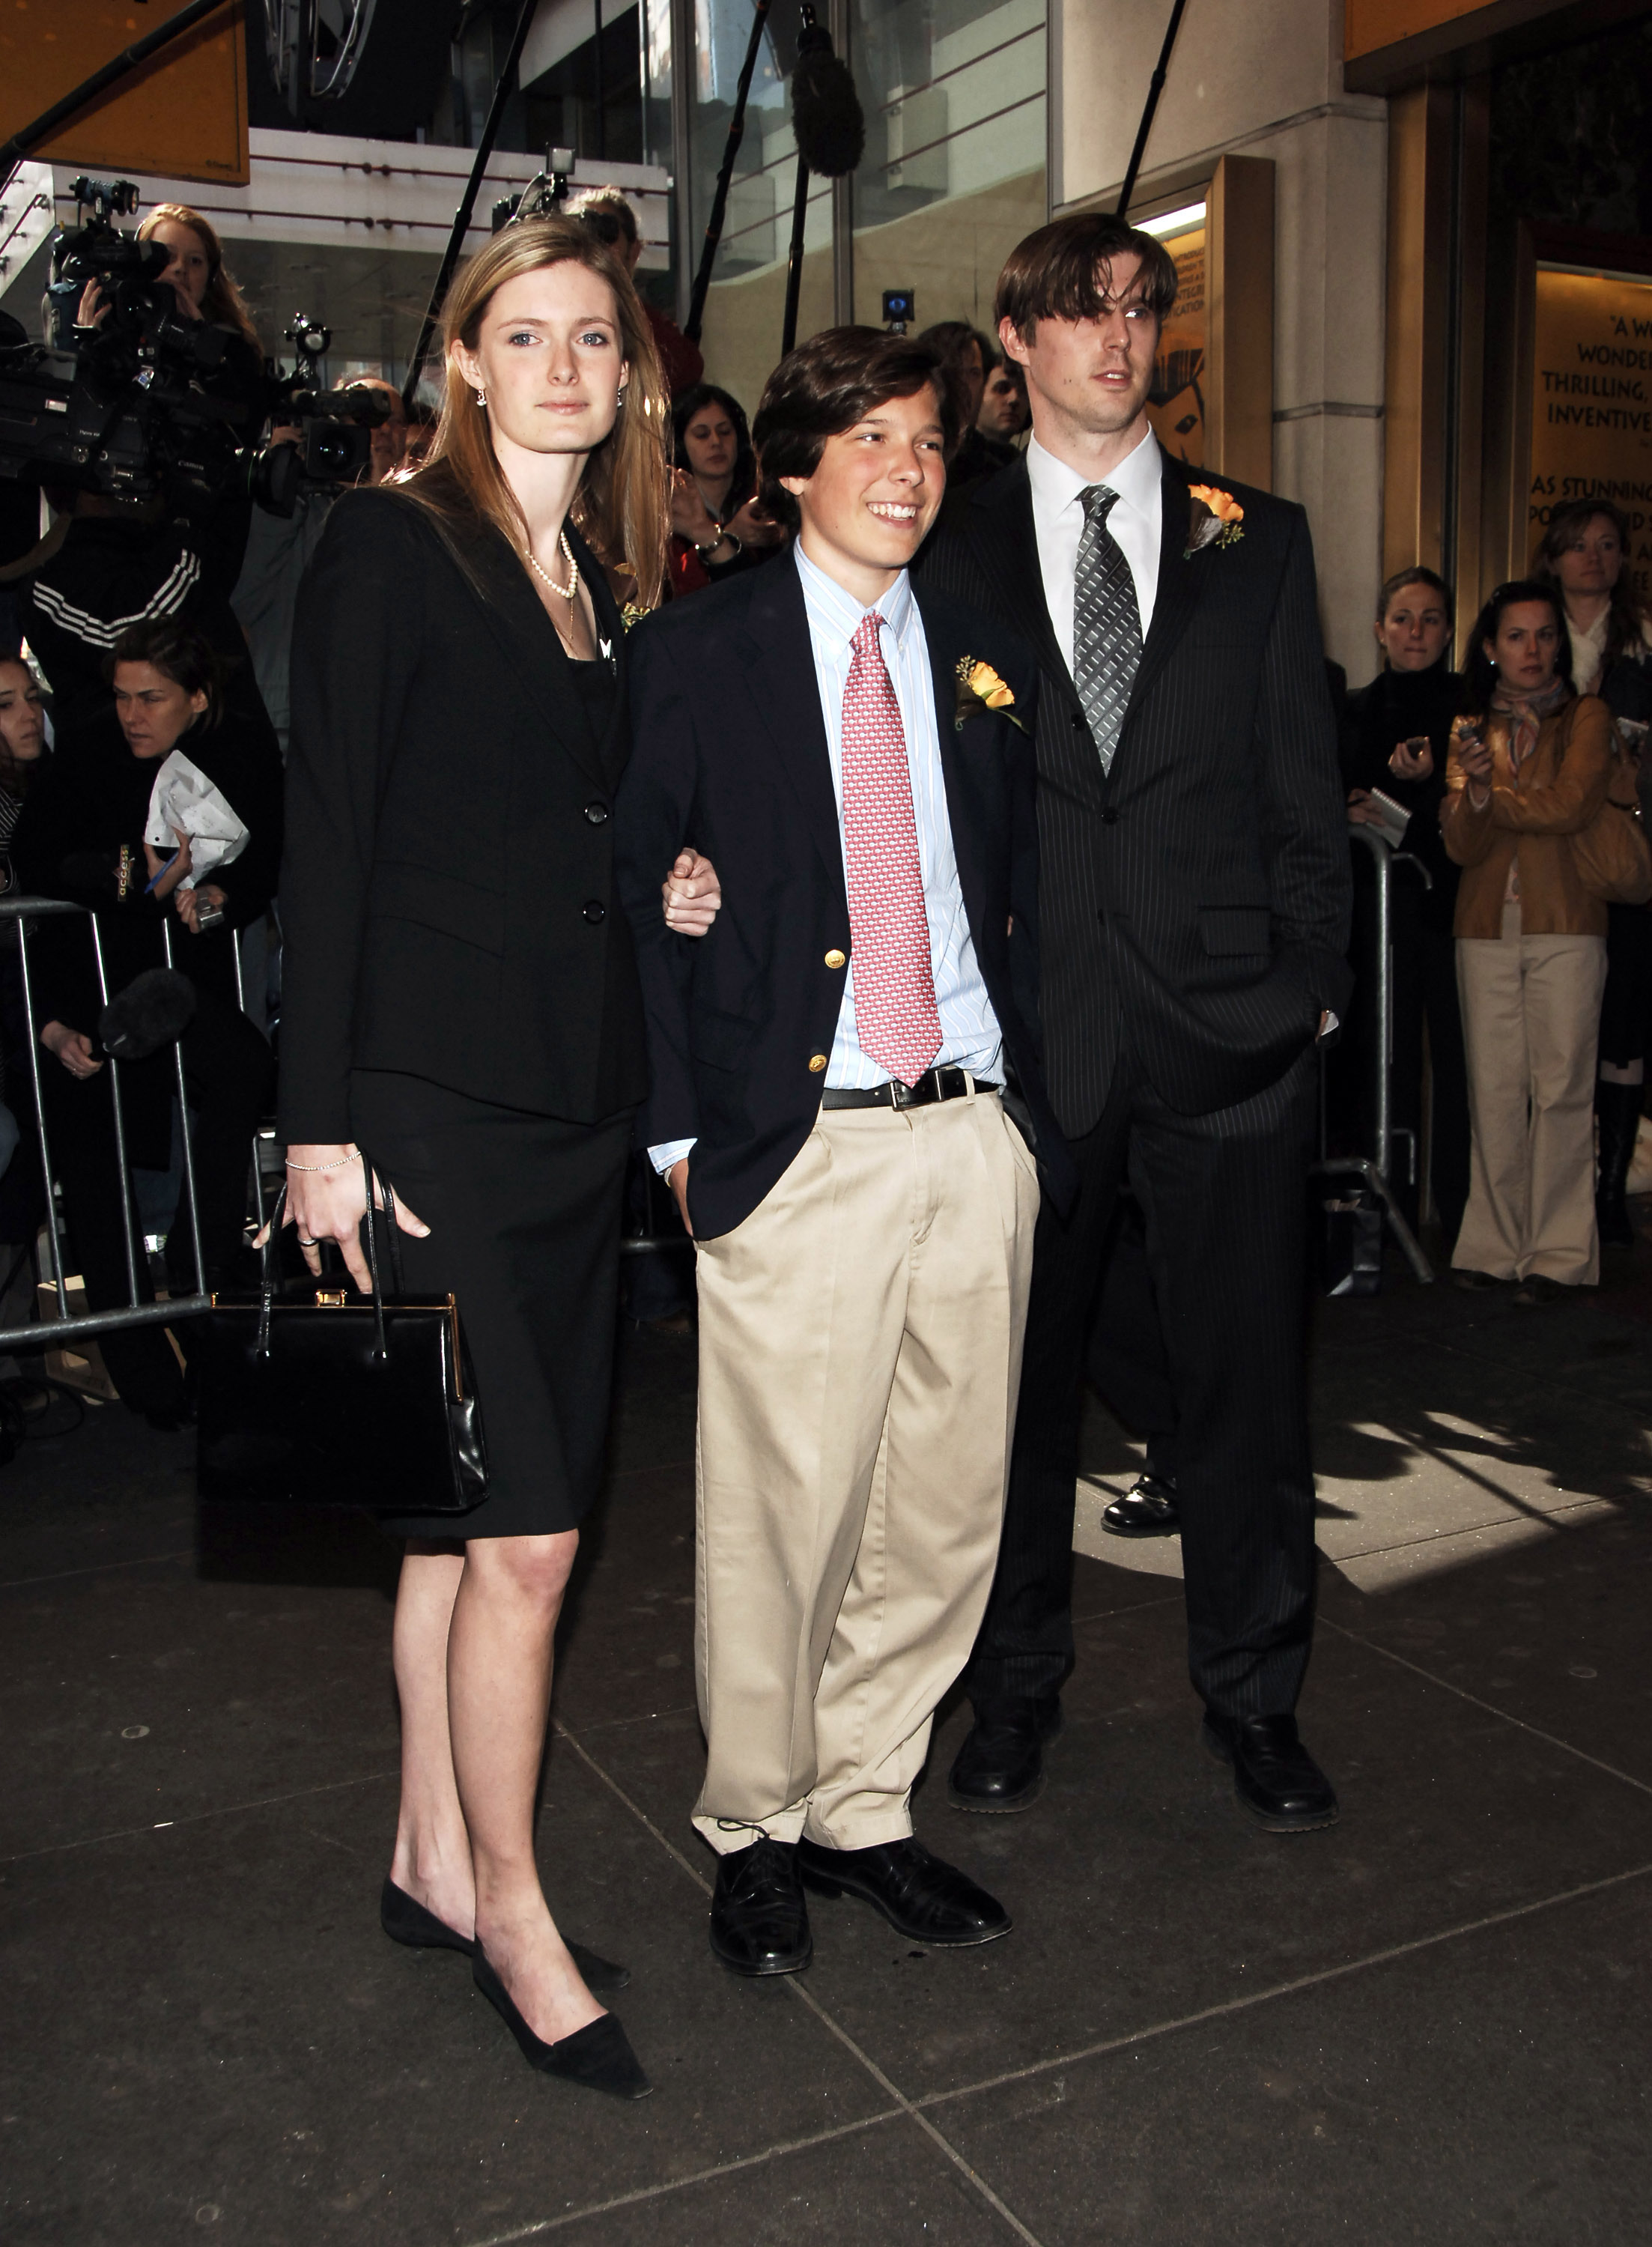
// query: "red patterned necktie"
[[897, 1023]]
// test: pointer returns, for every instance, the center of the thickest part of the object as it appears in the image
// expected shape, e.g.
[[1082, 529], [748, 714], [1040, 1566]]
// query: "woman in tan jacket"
[[1528, 769]]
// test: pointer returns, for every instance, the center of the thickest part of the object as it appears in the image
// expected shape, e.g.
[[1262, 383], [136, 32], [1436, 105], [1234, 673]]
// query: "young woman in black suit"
[[461, 1002]]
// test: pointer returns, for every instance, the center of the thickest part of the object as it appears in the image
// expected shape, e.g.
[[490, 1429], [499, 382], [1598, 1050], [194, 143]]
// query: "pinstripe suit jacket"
[[1193, 900]]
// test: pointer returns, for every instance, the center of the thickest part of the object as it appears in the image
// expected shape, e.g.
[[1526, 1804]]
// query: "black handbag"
[[325, 1397]]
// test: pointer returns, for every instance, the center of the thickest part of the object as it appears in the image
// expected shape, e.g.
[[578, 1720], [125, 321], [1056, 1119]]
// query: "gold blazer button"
[[817, 1063], [836, 958]]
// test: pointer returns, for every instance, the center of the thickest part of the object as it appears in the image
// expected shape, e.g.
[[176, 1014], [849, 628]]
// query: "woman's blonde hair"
[[223, 303], [622, 508]]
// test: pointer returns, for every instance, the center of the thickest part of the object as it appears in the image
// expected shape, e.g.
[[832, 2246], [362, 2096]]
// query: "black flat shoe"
[[1000, 1765], [1274, 1777], [921, 1898], [1147, 1509], [759, 1917], [405, 1921], [599, 2055], [1463, 1277]]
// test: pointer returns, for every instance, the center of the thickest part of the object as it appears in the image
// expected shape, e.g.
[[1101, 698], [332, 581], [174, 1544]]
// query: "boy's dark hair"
[[1479, 674], [828, 385], [177, 652], [1060, 272]]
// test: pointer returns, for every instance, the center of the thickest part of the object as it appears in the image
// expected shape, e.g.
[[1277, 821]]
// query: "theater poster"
[[1592, 401], [1176, 404]]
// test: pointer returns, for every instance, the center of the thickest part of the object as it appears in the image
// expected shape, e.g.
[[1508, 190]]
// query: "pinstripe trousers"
[[1224, 1198]]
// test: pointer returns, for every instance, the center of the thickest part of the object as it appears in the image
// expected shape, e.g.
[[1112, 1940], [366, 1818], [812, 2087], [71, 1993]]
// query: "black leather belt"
[[934, 1084]]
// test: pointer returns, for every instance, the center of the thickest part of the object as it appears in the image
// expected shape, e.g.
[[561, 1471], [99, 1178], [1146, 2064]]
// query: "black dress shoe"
[[1000, 1765], [405, 1920], [1538, 1287], [921, 1898], [1462, 1276], [599, 2055], [1147, 1509], [758, 1918], [1274, 1777]]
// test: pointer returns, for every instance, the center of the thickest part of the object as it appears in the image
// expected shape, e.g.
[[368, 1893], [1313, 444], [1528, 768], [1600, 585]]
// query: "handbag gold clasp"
[[330, 1299]]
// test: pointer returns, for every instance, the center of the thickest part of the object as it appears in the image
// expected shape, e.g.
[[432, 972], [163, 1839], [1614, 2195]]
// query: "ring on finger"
[[303, 1243]]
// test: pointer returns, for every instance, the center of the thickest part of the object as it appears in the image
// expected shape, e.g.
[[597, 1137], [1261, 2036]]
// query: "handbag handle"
[[269, 1275]]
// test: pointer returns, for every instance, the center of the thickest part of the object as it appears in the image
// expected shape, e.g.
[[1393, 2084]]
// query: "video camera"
[[145, 402]]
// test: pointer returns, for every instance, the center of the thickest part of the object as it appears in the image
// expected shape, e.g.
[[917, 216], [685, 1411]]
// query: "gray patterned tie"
[[1107, 625]]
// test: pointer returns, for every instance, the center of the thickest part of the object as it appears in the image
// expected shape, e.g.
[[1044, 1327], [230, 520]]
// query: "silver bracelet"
[[314, 1169]]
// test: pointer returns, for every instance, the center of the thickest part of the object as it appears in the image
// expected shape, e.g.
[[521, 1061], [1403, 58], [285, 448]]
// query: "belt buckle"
[[903, 1095]]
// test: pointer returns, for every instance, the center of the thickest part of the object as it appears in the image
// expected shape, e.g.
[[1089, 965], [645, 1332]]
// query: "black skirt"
[[524, 1218]]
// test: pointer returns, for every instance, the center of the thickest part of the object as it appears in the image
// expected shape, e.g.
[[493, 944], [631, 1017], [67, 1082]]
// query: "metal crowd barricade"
[[20, 912], [1373, 1170]]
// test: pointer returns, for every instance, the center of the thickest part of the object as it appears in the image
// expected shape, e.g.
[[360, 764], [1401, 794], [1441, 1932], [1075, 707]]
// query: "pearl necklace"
[[569, 592]]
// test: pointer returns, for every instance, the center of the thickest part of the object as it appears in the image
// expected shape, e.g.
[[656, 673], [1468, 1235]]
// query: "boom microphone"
[[826, 111]]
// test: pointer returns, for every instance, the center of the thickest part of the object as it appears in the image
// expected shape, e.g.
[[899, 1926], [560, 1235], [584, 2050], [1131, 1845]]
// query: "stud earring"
[[481, 398], [619, 398]]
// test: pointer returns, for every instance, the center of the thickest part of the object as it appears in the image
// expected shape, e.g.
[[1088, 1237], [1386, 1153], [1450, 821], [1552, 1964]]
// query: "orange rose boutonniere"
[[981, 688], [1216, 518]]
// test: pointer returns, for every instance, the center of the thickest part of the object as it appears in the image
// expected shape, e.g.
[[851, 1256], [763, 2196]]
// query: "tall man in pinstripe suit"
[[1193, 898]]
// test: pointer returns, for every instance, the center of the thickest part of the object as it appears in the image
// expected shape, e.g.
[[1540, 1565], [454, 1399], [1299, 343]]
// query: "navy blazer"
[[729, 754]]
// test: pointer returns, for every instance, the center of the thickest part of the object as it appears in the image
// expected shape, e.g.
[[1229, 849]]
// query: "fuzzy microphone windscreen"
[[826, 111], [155, 1010]]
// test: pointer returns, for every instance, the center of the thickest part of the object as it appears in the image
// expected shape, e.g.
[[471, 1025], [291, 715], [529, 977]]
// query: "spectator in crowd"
[[23, 744], [82, 837], [1528, 769], [611, 219], [967, 353], [719, 526], [388, 438], [1005, 414], [23, 749], [1396, 736], [1583, 552], [203, 284]]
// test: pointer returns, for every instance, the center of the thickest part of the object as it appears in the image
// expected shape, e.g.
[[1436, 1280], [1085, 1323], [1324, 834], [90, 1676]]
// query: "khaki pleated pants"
[[860, 1346], [1531, 1024]]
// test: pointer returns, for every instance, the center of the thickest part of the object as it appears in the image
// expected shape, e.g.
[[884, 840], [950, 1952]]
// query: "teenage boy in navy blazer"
[[1194, 905], [831, 1068]]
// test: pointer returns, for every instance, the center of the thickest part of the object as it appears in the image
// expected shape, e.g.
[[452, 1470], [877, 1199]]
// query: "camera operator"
[[201, 284], [82, 837]]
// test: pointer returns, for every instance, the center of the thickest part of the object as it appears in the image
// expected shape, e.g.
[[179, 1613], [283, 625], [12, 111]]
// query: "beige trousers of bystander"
[[1531, 1023], [860, 1348]]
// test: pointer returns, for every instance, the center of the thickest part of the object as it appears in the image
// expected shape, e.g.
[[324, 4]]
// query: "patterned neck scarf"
[[1526, 713]]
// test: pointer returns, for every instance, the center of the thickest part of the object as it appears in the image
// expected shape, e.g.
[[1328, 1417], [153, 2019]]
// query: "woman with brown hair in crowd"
[[461, 1009], [1395, 734], [1529, 766], [1585, 552]]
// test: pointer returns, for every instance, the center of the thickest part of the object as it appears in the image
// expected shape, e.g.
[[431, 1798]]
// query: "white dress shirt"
[[970, 1037], [1137, 523]]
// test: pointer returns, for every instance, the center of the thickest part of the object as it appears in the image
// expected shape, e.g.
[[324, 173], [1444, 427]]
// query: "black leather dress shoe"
[[758, 1918], [921, 1898], [1274, 1777], [1000, 1765], [1147, 1509]]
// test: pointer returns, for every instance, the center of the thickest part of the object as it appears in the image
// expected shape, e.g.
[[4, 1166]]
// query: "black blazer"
[[730, 753], [1194, 902], [447, 894]]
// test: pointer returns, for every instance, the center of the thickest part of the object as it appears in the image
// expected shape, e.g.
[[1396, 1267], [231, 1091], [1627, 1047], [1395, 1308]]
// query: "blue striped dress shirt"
[[970, 1037]]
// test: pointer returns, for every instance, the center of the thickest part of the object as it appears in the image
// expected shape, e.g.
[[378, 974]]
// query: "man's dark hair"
[[177, 652], [1479, 672], [950, 340], [828, 385], [1061, 272]]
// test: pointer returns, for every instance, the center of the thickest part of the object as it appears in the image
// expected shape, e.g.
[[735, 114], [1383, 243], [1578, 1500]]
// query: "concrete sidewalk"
[[1429, 2025]]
